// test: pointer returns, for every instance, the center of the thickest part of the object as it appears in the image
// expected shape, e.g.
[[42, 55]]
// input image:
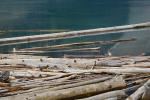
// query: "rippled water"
[[67, 15]]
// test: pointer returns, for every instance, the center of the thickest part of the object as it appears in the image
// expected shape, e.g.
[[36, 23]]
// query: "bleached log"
[[96, 49], [64, 35], [40, 80], [141, 92], [105, 96], [118, 94], [83, 56], [113, 70], [30, 73], [75, 92], [62, 63], [81, 83]]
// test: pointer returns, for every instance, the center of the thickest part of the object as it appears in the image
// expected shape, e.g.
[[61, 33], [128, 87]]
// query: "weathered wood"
[[81, 83], [32, 73], [54, 36], [112, 94], [118, 94], [113, 70], [75, 92], [4, 76], [96, 49], [83, 56]]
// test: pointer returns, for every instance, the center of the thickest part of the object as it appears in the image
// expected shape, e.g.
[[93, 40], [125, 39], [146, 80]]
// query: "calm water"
[[70, 15]]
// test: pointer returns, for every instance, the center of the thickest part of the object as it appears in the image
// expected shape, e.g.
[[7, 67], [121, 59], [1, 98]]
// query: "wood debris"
[[43, 78]]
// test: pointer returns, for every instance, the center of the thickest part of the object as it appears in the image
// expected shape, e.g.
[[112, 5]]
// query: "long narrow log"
[[118, 94], [66, 46], [107, 61], [31, 73], [96, 49], [112, 94], [113, 70], [81, 83], [75, 92], [64, 35], [83, 56]]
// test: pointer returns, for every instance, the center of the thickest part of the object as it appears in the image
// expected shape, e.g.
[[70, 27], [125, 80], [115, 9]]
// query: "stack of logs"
[[26, 77]]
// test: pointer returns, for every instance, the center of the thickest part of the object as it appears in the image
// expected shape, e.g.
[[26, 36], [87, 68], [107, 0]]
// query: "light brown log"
[[75, 92], [64, 35], [31, 73], [113, 70], [118, 94], [107, 95]]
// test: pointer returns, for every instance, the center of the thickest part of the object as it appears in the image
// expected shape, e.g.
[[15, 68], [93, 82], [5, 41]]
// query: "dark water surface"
[[67, 15]]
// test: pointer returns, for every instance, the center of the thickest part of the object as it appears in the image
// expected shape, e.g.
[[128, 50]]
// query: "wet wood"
[[80, 44], [96, 49]]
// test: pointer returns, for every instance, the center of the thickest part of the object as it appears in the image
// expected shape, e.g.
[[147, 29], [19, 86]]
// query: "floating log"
[[54, 36], [83, 56], [96, 49], [71, 45]]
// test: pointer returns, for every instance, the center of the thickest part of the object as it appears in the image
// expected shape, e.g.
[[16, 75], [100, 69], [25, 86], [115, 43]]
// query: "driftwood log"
[[80, 91]]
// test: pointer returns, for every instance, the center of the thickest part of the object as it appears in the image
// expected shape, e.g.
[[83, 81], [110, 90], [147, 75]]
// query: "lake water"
[[67, 15]]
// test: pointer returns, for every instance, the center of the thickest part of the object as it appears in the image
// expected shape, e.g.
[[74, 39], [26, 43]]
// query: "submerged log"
[[80, 44], [54, 36]]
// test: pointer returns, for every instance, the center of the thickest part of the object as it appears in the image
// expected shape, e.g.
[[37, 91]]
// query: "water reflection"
[[75, 15], [139, 12]]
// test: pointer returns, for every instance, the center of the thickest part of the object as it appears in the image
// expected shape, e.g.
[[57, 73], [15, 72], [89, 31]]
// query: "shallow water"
[[67, 15]]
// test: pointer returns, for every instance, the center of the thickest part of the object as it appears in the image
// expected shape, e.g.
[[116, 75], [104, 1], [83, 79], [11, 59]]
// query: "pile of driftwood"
[[26, 77], [81, 77]]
